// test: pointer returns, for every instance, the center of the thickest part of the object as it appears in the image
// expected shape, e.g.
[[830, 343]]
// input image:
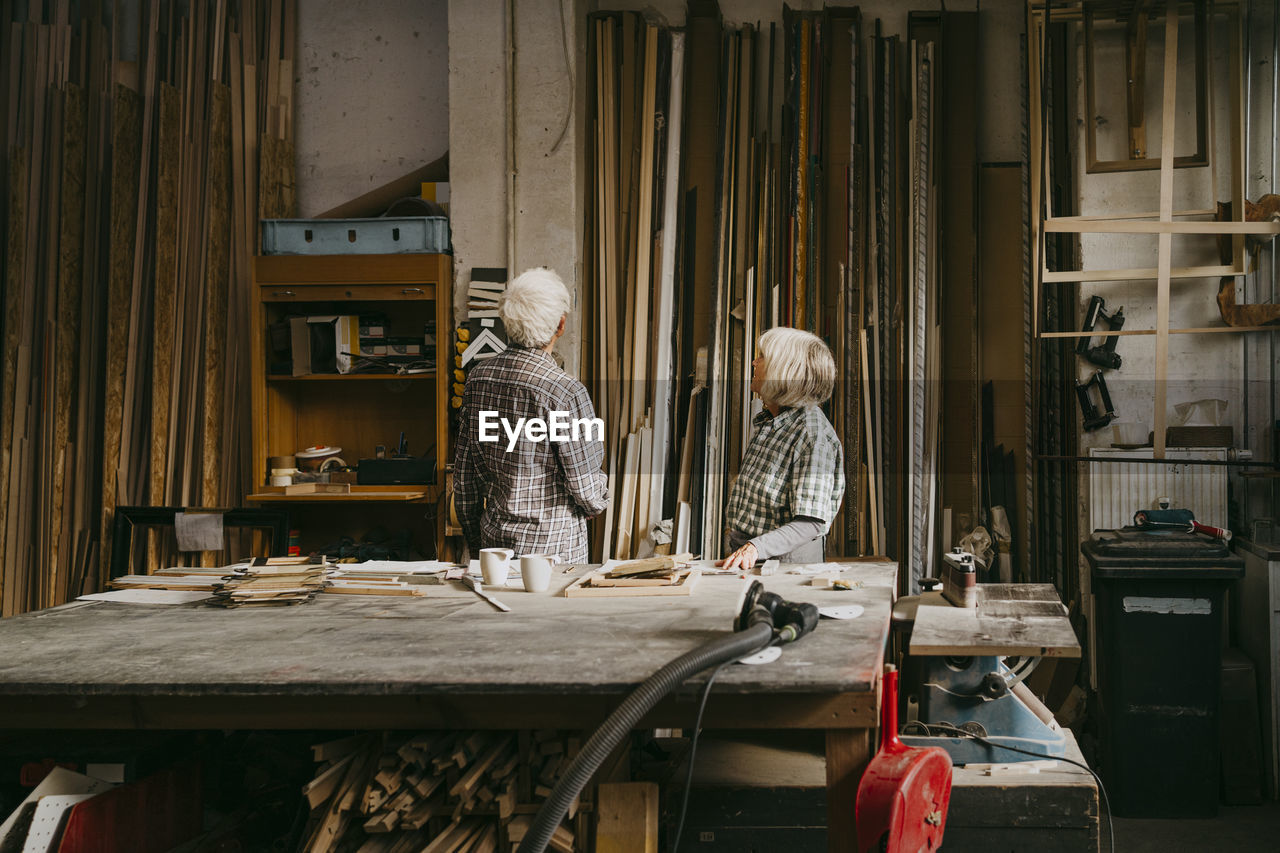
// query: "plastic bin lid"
[[1164, 553]]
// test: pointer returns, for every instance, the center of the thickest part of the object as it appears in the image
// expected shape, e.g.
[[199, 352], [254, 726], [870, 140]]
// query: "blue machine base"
[[950, 691]]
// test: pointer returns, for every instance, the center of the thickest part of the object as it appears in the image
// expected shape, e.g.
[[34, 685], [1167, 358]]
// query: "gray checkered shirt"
[[793, 467], [537, 498]]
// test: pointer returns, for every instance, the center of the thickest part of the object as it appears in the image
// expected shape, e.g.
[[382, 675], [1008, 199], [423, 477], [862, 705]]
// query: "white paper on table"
[[149, 596], [769, 654], [844, 611], [816, 568], [399, 567], [59, 781]]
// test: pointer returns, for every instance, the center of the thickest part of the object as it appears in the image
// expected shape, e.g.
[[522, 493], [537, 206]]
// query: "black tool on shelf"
[[1095, 416], [1104, 355], [399, 469]]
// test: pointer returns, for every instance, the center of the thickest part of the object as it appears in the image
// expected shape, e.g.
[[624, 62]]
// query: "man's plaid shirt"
[[537, 498], [793, 466]]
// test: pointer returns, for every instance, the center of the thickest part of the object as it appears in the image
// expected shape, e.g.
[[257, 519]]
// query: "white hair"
[[798, 368], [532, 306]]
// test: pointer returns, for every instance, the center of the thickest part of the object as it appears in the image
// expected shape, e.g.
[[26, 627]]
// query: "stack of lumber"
[[130, 194], [270, 586], [461, 792], [762, 197], [637, 92], [204, 580]]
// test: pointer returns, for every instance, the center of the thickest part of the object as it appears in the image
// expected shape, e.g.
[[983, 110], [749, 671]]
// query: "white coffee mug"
[[535, 571], [495, 565]]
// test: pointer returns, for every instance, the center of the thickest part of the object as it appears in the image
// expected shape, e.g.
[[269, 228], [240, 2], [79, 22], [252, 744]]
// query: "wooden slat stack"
[[460, 792], [130, 198]]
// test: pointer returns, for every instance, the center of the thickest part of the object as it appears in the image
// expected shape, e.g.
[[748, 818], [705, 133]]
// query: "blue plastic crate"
[[384, 236]]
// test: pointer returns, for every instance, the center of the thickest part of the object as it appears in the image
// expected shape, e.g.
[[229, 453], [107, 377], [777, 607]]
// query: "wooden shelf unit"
[[356, 412], [1164, 223]]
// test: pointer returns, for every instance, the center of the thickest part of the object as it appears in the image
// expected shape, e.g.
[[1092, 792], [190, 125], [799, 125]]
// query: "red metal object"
[[904, 794], [151, 815]]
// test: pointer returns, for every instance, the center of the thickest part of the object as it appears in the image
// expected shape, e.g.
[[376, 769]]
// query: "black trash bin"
[[1159, 602]]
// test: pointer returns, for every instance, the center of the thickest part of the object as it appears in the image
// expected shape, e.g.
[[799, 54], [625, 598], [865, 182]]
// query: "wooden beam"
[[1168, 123], [70, 282], [125, 127], [217, 271]]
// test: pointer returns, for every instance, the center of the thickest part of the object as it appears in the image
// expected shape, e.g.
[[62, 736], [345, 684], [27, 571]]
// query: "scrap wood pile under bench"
[[438, 791]]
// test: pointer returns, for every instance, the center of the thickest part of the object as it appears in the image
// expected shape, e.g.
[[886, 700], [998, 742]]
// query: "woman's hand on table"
[[744, 558]]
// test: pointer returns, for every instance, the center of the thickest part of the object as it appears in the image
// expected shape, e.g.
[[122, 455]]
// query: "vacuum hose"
[[624, 719]]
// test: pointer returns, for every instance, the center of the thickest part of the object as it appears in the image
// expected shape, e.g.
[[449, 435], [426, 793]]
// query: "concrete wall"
[[372, 95]]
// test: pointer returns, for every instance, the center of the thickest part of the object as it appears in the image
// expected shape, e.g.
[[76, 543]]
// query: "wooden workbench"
[[449, 660]]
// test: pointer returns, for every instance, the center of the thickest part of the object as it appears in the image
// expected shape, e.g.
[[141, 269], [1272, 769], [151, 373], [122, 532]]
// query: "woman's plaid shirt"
[[793, 466], [537, 498]]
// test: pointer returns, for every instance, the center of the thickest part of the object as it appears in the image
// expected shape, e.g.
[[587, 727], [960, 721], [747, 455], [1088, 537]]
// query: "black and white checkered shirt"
[[792, 467], [535, 499]]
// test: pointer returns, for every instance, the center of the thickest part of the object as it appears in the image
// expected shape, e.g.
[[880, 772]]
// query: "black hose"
[[624, 719]]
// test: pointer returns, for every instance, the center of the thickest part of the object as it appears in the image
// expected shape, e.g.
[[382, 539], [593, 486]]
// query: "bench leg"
[[848, 752]]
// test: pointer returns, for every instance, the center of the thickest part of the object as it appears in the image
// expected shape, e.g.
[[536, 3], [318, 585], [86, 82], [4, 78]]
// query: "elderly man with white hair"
[[528, 492], [791, 480]]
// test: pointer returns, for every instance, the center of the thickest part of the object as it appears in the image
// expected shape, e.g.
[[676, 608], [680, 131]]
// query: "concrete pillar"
[[538, 140]]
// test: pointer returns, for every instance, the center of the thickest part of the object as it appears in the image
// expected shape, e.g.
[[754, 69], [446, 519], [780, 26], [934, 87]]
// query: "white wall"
[[372, 95]]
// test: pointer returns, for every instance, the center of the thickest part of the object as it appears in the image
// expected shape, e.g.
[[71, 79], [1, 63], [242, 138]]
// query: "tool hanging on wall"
[[1095, 417], [1104, 355]]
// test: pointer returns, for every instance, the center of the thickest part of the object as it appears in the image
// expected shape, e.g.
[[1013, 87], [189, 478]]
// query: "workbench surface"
[[445, 647]]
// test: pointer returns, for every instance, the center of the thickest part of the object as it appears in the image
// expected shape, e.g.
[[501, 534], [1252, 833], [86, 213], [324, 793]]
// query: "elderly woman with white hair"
[[791, 480], [533, 496]]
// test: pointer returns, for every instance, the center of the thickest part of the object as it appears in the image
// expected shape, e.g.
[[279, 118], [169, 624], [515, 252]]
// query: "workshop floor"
[[1241, 829]]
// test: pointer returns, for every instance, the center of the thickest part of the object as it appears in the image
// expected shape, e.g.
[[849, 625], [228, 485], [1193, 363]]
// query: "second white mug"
[[535, 571]]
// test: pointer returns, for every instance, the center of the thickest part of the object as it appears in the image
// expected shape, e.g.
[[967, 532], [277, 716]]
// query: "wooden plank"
[[664, 377], [126, 127], [1074, 276], [70, 282], [969, 631], [13, 305], [322, 787], [642, 245], [217, 286], [1196, 330], [131, 464], [166, 271], [873, 461], [1123, 226], [627, 817], [1168, 124]]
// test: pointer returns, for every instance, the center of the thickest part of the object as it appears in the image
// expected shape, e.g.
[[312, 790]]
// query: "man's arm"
[[582, 458], [467, 483]]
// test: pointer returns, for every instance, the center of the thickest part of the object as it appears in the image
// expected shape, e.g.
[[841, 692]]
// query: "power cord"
[[693, 744], [1111, 833]]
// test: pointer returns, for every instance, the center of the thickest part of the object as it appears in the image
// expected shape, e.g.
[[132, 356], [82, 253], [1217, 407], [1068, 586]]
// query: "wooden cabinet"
[[353, 411]]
